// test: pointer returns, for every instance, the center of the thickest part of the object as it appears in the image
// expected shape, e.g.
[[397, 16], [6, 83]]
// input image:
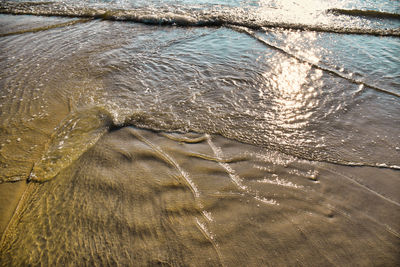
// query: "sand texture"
[[146, 198]]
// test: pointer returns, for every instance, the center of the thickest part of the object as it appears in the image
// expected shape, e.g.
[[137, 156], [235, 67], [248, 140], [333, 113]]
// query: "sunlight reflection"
[[294, 86], [305, 11]]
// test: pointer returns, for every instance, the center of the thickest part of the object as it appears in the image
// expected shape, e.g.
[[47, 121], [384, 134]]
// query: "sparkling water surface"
[[247, 131]]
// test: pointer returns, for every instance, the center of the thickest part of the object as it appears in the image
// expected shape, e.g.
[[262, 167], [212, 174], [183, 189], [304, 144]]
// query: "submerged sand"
[[141, 198], [123, 195]]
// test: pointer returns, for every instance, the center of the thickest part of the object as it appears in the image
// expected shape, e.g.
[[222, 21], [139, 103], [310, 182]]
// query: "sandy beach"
[[152, 198], [228, 133]]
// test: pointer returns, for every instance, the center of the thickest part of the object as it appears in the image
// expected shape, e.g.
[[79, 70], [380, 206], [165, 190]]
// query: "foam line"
[[189, 18]]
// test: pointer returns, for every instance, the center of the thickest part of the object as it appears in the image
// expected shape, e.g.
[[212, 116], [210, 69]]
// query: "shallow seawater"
[[200, 132]]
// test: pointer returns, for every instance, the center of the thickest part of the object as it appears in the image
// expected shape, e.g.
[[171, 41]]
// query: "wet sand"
[[151, 198], [10, 194], [127, 196]]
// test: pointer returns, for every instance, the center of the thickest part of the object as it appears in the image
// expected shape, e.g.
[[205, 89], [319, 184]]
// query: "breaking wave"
[[364, 13], [216, 18]]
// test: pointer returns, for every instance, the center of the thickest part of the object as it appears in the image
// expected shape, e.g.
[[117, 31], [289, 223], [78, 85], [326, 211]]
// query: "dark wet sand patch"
[[10, 194]]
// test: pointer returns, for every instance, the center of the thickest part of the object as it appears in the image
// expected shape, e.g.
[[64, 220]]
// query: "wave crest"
[[364, 13], [186, 18]]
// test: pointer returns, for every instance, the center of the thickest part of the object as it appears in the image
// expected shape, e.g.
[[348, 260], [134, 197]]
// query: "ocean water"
[[180, 118], [248, 70]]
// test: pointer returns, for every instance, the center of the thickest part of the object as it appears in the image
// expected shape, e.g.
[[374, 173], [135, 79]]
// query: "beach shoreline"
[[187, 134], [166, 197]]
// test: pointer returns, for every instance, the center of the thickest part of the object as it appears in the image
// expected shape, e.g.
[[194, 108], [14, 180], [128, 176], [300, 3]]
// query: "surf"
[[192, 18]]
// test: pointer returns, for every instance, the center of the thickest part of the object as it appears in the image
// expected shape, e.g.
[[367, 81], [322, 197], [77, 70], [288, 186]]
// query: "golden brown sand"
[[140, 197]]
